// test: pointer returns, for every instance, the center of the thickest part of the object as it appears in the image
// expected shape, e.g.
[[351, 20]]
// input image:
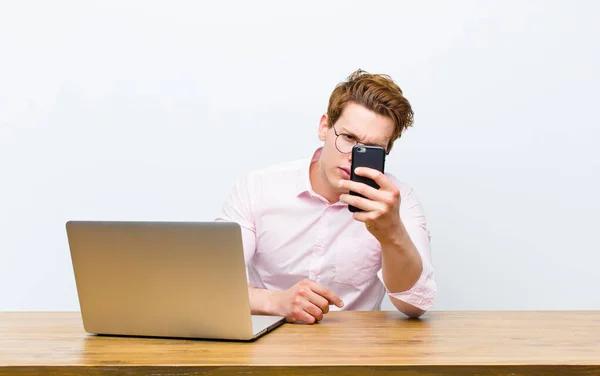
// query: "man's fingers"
[[362, 203], [319, 301], [379, 177], [314, 312], [364, 189], [327, 294], [364, 216], [301, 315]]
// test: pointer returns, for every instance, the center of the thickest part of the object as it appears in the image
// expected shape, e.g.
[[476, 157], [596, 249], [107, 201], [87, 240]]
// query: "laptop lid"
[[167, 279]]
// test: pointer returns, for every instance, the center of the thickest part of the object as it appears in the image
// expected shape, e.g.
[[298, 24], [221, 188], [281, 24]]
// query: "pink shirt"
[[291, 233]]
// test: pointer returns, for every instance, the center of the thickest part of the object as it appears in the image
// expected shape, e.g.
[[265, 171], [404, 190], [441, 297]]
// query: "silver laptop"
[[164, 279]]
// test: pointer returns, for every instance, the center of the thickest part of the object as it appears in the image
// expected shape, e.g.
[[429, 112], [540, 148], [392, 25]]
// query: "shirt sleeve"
[[422, 293], [239, 208]]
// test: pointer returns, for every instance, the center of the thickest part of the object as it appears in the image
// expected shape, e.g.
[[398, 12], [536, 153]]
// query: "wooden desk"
[[344, 343]]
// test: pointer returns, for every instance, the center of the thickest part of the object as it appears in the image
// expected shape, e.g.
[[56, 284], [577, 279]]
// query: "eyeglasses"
[[344, 142]]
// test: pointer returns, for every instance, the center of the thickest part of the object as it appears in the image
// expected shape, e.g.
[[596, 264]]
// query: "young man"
[[305, 250]]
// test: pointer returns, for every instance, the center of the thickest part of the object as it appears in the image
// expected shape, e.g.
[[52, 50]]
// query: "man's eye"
[[348, 138]]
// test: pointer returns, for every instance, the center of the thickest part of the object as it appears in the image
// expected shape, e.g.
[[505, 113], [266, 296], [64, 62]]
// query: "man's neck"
[[320, 184]]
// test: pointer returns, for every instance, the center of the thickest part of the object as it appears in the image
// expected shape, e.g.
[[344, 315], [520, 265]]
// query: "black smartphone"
[[366, 156]]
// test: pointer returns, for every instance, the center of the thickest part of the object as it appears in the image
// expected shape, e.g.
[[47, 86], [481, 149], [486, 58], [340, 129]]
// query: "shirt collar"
[[303, 184]]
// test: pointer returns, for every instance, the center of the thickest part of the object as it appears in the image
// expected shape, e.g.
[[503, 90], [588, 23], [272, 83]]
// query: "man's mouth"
[[345, 172]]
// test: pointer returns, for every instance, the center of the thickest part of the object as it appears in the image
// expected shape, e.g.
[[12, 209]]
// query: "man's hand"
[[381, 206], [306, 301]]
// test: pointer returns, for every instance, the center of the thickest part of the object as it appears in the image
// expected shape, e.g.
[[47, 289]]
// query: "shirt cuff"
[[421, 294]]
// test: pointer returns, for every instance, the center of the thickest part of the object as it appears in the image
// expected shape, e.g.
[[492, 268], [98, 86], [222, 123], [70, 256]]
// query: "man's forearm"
[[261, 301], [402, 267], [401, 262]]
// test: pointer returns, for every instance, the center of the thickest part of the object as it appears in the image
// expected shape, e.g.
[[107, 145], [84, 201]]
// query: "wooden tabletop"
[[384, 342]]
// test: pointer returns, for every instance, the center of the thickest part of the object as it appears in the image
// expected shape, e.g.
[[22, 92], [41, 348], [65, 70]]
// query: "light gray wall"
[[150, 111]]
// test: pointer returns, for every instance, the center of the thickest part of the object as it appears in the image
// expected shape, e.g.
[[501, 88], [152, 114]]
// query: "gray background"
[[145, 110]]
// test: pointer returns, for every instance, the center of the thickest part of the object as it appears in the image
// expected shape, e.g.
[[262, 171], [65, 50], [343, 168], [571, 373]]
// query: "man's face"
[[363, 125]]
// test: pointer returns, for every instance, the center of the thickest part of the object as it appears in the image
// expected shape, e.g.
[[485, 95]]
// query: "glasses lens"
[[345, 143]]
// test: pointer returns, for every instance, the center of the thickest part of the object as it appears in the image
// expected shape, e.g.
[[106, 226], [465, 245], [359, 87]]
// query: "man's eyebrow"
[[344, 130]]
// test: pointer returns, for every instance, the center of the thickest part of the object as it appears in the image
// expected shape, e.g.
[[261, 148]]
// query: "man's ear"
[[323, 127]]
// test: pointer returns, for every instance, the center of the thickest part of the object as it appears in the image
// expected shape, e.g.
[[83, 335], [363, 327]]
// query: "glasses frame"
[[356, 142]]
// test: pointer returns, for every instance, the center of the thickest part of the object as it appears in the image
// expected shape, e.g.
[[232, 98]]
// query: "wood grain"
[[449, 343]]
